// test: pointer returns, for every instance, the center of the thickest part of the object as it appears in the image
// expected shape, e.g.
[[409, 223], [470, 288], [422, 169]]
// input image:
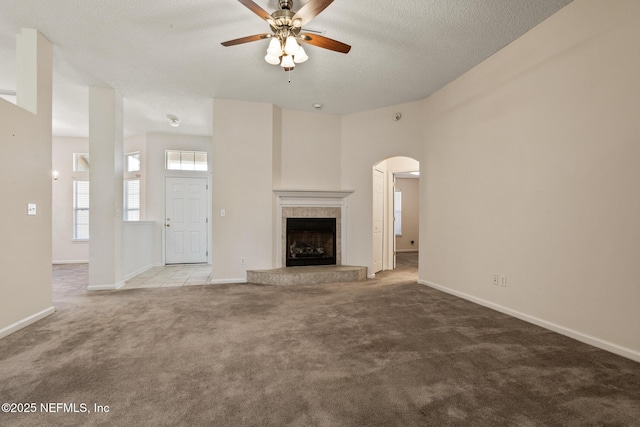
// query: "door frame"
[[392, 167], [383, 227]]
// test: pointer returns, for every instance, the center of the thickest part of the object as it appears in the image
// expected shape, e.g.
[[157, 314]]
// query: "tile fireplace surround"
[[312, 204]]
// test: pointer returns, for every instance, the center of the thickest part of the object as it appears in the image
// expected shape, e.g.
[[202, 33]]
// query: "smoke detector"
[[173, 120]]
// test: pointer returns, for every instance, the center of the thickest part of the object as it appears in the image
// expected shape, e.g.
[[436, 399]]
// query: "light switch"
[[31, 209], [223, 212], [503, 280]]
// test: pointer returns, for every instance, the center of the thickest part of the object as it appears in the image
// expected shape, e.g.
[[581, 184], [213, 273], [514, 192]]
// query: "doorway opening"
[[395, 224]]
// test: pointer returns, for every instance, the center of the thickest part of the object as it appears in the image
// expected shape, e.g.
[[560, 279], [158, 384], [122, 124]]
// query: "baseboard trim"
[[70, 261], [139, 271], [226, 281], [26, 321], [113, 287], [585, 338]]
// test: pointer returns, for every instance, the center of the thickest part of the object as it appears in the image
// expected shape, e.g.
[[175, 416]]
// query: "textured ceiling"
[[164, 56]]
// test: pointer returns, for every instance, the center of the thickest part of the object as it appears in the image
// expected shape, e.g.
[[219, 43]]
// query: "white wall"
[[138, 240], [25, 177], [65, 249], [410, 214], [367, 139], [276, 170], [531, 170], [310, 151], [243, 146]]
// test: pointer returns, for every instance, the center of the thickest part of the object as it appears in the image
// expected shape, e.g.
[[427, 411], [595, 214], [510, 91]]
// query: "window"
[[132, 187], [186, 160], [132, 200], [132, 162], [80, 162], [397, 212], [81, 210]]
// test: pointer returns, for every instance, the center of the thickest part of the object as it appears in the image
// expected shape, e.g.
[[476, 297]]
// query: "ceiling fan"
[[286, 26]]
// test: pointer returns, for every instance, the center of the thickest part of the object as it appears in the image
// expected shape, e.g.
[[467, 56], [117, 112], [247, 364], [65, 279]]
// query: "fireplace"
[[312, 204], [310, 241]]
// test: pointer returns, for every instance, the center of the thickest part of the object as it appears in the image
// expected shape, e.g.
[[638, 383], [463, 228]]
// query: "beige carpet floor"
[[385, 352]]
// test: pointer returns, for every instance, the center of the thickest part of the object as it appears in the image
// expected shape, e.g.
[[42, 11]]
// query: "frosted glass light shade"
[[272, 59], [291, 46], [300, 56], [274, 49], [287, 62]]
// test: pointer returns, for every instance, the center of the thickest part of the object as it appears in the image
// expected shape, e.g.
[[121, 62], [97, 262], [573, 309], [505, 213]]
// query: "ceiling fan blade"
[[324, 42], [246, 39], [257, 10], [310, 11]]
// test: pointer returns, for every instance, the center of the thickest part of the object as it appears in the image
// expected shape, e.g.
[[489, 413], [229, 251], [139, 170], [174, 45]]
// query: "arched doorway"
[[395, 223]]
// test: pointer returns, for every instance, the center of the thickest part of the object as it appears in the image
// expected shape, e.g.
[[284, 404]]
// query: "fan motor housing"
[[284, 18]]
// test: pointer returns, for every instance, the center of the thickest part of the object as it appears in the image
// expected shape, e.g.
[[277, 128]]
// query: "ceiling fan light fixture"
[[287, 62], [287, 32], [300, 56], [291, 46]]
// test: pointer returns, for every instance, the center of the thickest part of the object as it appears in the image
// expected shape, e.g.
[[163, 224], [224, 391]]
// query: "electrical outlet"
[[503, 281], [495, 279], [242, 261]]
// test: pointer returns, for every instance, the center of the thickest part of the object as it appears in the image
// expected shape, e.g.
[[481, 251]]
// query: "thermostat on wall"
[[31, 209]]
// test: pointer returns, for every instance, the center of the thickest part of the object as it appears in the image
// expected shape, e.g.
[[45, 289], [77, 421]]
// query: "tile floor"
[[200, 274], [171, 276]]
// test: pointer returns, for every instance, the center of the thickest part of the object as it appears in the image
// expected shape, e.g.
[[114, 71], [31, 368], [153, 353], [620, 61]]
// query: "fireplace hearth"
[[310, 241]]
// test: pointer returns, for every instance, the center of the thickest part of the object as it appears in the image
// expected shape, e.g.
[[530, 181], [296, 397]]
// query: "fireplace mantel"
[[316, 200], [312, 194]]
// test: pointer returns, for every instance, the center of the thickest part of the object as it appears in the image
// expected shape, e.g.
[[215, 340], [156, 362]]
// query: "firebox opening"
[[311, 241]]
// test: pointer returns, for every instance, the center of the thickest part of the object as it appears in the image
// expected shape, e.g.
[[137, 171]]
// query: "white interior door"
[[378, 219], [186, 220]]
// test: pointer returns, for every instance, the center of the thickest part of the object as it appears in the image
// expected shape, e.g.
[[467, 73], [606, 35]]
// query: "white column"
[[27, 67], [105, 176]]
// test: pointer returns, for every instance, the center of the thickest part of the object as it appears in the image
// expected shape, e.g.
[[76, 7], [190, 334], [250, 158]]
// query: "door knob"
[[168, 225]]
